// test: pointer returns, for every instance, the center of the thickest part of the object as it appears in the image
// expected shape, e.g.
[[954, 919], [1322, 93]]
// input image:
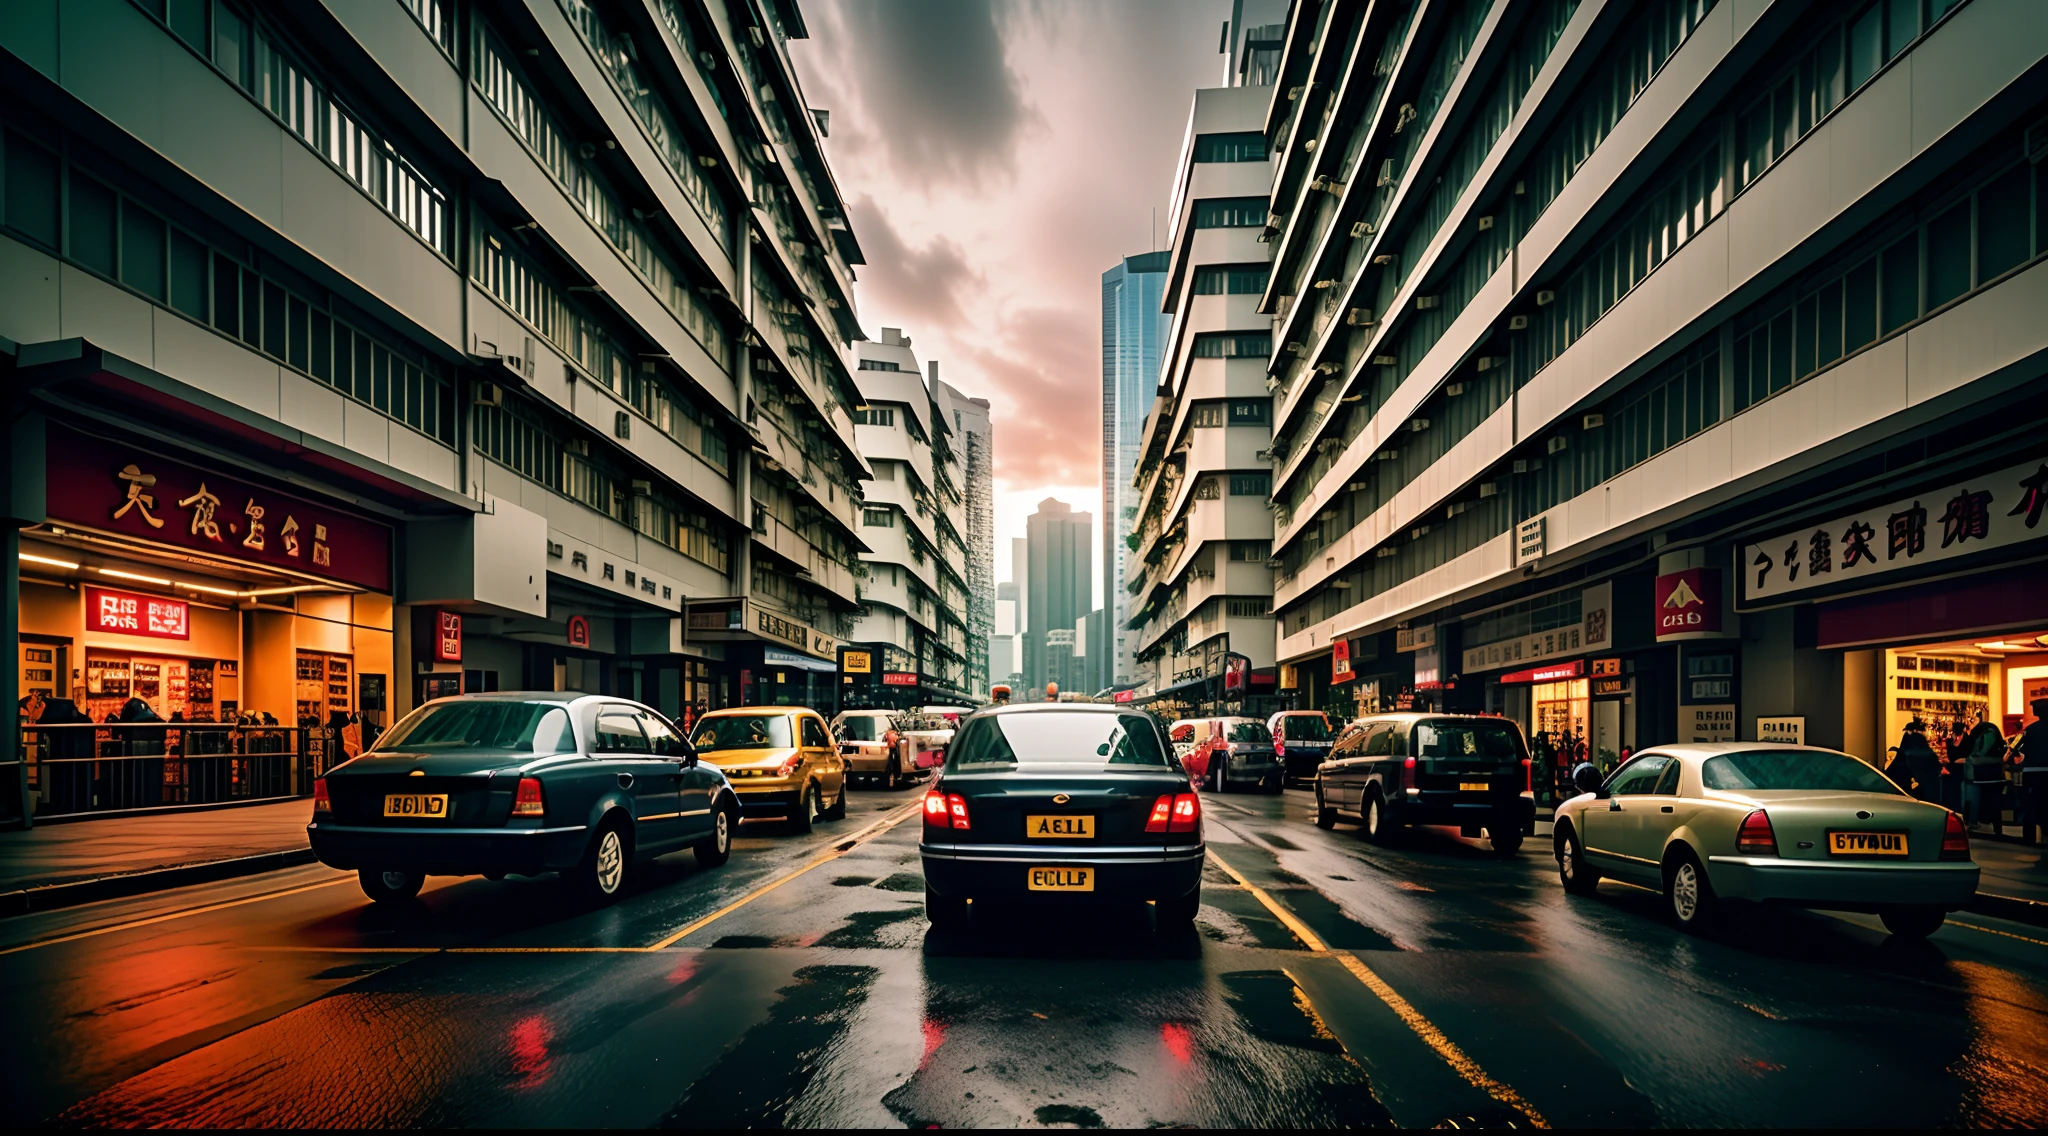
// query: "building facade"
[[1056, 588], [974, 444], [1134, 330], [1660, 371], [1199, 588], [359, 354]]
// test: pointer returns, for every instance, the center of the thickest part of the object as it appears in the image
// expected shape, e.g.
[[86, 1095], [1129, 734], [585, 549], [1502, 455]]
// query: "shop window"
[[479, 682]]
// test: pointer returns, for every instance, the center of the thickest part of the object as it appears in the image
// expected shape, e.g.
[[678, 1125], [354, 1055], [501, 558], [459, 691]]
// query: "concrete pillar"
[[13, 762], [1863, 700]]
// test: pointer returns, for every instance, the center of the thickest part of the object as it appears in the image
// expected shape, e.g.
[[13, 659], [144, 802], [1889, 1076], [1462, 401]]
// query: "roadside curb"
[[2009, 907], [23, 901]]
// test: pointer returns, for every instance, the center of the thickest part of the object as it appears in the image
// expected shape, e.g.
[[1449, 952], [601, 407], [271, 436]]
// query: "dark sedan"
[[520, 784], [1061, 803]]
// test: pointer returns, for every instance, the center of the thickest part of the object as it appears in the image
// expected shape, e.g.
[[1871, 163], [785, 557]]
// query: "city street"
[[1328, 983]]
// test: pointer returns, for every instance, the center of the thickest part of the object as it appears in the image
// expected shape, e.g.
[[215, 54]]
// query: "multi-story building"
[[1133, 334], [1662, 370], [1004, 660], [915, 608], [974, 445], [380, 351], [1055, 587], [1199, 587]]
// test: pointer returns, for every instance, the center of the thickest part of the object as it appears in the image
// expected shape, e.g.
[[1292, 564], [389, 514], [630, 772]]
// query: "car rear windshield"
[[483, 727], [863, 728], [1250, 732], [1793, 769], [1490, 740], [742, 731], [1040, 737], [1305, 728]]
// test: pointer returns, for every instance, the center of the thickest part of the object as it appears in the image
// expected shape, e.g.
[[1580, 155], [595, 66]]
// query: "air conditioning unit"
[[642, 487], [1387, 455], [1489, 362], [1521, 466], [1418, 425], [1294, 349], [1386, 177], [1327, 515], [1321, 182], [1361, 228], [1359, 317], [1488, 489], [1273, 562], [1386, 360], [1326, 368], [1557, 445], [1274, 220], [1325, 283], [1545, 297], [1384, 552], [1418, 532], [1327, 444], [1425, 303], [1518, 323], [1485, 223], [1334, 188], [622, 425], [1340, 585], [1384, 258], [1453, 390], [1272, 384], [1593, 421], [1356, 487], [488, 394]]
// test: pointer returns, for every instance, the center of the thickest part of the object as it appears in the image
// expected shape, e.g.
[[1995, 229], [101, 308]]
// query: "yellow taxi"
[[780, 760]]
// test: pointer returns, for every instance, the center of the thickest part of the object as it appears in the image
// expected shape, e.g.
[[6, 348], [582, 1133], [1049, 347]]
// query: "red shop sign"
[[1124, 695], [126, 613], [447, 637], [579, 631], [1552, 673], [1689, 602], [1340, 660], [898, 678], [95, 483]]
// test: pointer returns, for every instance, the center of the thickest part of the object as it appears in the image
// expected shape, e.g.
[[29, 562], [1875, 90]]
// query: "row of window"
[[1544, 613], [1242, 146], [1412, 120], [1232, 345], [1232, 412], [59, 206], [1230, 212], [1241, 485], [1231, 280]]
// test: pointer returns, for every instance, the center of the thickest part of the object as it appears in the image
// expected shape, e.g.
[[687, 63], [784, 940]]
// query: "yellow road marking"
[[1995, 931], [168, 916], [837, 850], [1423, 1028]]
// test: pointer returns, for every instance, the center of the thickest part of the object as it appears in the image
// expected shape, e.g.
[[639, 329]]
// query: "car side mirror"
[[1586, 777]]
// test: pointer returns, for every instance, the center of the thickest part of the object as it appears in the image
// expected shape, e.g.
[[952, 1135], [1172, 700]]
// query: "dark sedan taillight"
[[1187, 812], [945, 810], [529, 802], [1408, 774], [323, 805], [1755, 837], [1955, 840]]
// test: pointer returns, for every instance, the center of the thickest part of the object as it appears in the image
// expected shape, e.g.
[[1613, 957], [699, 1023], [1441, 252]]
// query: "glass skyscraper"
[[1133, 334]]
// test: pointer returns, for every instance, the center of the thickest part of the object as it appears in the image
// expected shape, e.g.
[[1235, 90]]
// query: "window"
[[1240, 146], [1230, 212], [880, 365], [884, 470], [1251, 550], [1233, 345], [878, 518], [618, 731], [93, 240], [1231, 279], [1251, 485], [1054, 736], [1207, 414], [31, 198], [876, 416], [143, 253], [1206, 489], [1639, 776], [814, 734], [1251, 411], [1248, 609], [1948, 255]]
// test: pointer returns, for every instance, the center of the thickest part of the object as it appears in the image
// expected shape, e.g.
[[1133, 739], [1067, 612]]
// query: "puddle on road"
[[878, 929], [1279, 841], [903, 881], [756, 1081], [852, 881]]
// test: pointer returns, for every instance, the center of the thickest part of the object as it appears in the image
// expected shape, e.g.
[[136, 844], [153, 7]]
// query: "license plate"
[[1062, 879], [1060, 827], [1867, 843], [430, 805], [1473, 786]]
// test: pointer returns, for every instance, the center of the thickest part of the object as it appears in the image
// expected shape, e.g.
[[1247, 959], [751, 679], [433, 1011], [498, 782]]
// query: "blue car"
[[521, 784]]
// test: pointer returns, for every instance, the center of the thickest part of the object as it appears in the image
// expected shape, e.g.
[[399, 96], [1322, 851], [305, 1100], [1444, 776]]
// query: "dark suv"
[[1394, 771]]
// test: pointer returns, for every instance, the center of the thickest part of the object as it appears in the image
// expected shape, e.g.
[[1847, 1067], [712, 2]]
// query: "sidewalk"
[[57, 865], [2014, 880]]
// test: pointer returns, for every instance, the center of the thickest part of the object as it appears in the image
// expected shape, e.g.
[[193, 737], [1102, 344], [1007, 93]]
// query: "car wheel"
[[1913, 922], [716, 848], [1578, 877], [838, 809], [806, 807], [1178, 912], [1378, 827], [1689, 895], [1326, 817], [944, 910], [390, 886], [602, 874], [1506, 842]]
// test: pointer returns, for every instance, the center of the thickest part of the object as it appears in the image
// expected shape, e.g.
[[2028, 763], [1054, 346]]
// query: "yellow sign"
[[857, 662]]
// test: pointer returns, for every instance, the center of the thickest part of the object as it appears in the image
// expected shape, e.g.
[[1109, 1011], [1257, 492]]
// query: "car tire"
[[838, 809], [1577, 876], [1915, 922], [806, 807], [944, 910], [601, 876], [1689, 895], [390, 886], [715, 849], [1178, 913], [1506, 842], [1326, 817], [1379, 828]]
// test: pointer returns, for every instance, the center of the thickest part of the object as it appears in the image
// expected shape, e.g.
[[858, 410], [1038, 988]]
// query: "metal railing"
[[90, 767]]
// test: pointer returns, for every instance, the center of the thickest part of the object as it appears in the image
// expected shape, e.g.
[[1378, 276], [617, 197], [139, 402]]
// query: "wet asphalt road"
[[1416, 985]]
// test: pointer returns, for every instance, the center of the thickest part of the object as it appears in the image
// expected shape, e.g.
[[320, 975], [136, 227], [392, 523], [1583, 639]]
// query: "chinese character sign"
[[1688, 602], [1991, 511], [95, 483], [126, 613]]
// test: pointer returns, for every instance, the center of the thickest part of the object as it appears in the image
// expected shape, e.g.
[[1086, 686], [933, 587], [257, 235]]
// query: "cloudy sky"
[[998, 158]]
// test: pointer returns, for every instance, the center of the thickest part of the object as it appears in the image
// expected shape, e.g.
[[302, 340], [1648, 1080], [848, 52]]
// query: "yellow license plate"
[[1473, 786], [1060, 827], [432, 806], [1062, 879], [1867, 843]]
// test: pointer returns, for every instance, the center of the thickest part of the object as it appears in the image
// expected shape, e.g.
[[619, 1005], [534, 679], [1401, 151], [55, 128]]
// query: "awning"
[[777, 657], [1178, 691]]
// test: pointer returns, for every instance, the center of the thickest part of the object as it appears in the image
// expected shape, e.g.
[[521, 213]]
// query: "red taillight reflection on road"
[[1179, 1041], [530, 1060]]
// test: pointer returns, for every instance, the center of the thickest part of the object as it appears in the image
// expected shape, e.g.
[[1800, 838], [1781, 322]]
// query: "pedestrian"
[[1952, 753], [1914, 765], [2030, 753], [1984, 773]]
